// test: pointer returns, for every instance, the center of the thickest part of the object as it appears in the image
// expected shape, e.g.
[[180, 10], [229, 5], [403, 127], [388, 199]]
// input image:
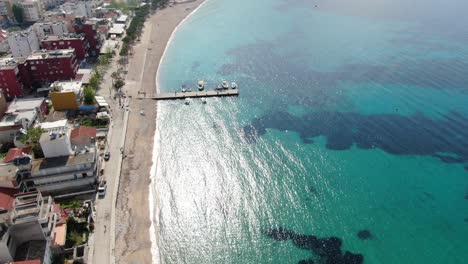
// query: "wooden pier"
[[196, 94]]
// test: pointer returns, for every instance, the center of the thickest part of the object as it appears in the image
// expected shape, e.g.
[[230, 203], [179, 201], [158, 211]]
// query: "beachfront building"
[[89, 30], [67, 41], [66, 168], [23, 43], [27, 225], [43, 29], [48, 66], [123, 19], [66, 95]]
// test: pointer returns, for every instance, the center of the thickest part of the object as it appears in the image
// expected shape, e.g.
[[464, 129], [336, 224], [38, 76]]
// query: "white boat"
[[234, 85], [225, 85], [203, 100], [220, 87], [201, 85], [187, 101], [184, 88]]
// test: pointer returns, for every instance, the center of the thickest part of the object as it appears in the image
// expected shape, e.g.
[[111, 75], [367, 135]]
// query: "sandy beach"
[[133, 243]]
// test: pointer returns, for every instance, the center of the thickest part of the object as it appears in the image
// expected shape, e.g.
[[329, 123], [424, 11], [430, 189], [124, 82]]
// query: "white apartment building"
[[32, 10], [23, 43], [78, 8], [65, 168], [43, 29]]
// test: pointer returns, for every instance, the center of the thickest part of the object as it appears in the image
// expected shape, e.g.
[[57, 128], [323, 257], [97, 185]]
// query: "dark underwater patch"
[[364, 234], [395, 134], [466, 168], [328, 249]]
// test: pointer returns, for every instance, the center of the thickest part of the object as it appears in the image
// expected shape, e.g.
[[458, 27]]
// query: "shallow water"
[[351, 116]]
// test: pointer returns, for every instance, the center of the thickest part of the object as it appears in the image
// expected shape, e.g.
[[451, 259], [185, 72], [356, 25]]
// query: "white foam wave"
[[153, 210]]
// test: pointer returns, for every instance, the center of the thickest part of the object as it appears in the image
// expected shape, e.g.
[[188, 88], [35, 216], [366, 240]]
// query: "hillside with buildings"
[[56, 114]]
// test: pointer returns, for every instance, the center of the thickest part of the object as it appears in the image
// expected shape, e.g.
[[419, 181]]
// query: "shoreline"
[[135, 200], [153, 212]]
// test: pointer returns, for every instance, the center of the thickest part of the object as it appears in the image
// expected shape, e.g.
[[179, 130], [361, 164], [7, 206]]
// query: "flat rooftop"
[[59, 124], [48, 54], [8, 63], [66, 161], [14, 118], [25, 104], [63, 37], [68, 86]]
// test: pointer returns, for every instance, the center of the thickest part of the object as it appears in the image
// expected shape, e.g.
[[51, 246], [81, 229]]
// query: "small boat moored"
[[183, 88], [234, 85], [225, 85], [220, 87], [201, 85], [187, 101], [203, 100]]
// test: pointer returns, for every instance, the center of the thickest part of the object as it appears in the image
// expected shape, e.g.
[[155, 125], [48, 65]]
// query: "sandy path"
[[132, 219]]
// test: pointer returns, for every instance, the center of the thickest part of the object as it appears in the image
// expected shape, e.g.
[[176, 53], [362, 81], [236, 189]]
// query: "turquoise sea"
[[350, 134]]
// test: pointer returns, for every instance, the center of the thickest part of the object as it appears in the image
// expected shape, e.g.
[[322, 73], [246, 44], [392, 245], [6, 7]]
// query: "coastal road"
[[104, 206]]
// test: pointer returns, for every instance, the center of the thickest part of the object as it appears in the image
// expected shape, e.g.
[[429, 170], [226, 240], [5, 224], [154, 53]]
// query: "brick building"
[[89, 30], [68, 41], [14, 77], [51, 65]]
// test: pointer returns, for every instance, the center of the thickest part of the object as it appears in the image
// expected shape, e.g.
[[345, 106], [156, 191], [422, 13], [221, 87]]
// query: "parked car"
[[107, 156], [102, 189]]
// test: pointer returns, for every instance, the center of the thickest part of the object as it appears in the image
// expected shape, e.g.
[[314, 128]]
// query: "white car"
[[102, 189]]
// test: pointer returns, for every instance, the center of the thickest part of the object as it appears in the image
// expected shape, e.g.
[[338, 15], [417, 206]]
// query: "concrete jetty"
[[195, 94]]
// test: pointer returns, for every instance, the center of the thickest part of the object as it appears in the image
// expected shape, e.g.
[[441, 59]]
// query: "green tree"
[[31, 138], [18, 12], [88, 95], [94, 81], [124, 50], [119, 84], [103, 60]]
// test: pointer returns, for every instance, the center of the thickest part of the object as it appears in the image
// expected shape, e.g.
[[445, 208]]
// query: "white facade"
[[32, 10], [50, 28], [79, 9], [56, 143], [13, 121], [32, 219], [23, 43]]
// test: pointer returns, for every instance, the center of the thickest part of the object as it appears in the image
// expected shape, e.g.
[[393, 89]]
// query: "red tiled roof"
[[7, 197], [14, 153], [36, 261], [83, 131]]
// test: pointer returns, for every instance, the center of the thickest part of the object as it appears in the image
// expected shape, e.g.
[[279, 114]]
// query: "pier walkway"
[[196, 94]]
